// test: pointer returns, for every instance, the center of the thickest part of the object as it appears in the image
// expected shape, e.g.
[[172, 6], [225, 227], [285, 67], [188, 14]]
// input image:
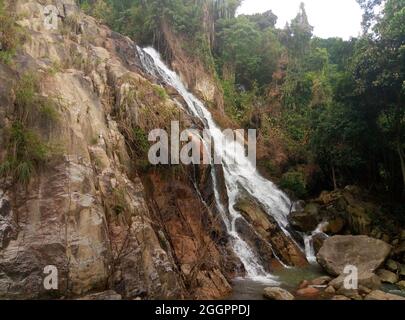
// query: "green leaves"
[[25, 153]]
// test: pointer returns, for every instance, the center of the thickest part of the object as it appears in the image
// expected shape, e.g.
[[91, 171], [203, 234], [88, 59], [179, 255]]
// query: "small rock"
[[386, 238], [321, 281], [400, 249], [106, 295], [275, 293], [380, 295], [304, 284], [309, 292], [364, 290], [330, 290], [391, 265], [340, 298], [350, 293], [401, 284], [387, 276], [402, 270]]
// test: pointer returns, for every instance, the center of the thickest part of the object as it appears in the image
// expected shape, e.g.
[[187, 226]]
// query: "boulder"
[[305, 221], [335, 225], [365, 279], [387, 276], [359, 220], [392, 265], [402, 270], [327, 197], [106, 295], [338, 252], [309, 292], [330, 290], [401, 285], [318, 240], [304, 284], [265, 236], [400, 249], [349, 293], [380, 295], [343, 298], [321, 281], [364, 290], [275, 293]]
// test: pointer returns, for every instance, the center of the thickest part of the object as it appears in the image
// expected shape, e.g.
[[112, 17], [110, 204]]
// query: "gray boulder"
[[338, 252]]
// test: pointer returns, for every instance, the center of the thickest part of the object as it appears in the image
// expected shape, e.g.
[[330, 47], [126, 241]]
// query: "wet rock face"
[[264, 233], [367, 254], [306, 220], [197, 235]]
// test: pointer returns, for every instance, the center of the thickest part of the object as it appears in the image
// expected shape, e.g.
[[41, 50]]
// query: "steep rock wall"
[[87, 211]]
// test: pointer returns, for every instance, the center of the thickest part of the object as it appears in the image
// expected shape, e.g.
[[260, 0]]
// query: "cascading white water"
[[309, 243], [237, 174]]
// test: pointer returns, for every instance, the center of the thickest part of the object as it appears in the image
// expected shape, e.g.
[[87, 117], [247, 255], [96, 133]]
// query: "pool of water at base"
[[289, 279]]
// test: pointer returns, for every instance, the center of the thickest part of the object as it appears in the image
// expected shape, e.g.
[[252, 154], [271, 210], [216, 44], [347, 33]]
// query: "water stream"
[[239, 174], [309, 243]]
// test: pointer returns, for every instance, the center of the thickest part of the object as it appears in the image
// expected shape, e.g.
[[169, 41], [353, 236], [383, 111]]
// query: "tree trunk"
[[402, 159], [334, 177]]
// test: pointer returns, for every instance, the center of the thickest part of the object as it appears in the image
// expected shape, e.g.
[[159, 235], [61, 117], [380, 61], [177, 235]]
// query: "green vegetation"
[[140, 141], [97, 8], [335, 108], [295, 182], [26, 152], [161, 92], [29, 103], [11, 35]]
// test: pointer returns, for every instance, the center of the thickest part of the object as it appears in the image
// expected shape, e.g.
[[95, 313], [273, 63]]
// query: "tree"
[[298, 33], [379, 70]]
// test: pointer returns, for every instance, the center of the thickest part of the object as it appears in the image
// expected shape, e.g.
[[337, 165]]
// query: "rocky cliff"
[[92, 209]]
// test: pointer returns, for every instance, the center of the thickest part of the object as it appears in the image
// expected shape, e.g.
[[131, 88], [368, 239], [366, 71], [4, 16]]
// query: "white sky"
[[330, 18]]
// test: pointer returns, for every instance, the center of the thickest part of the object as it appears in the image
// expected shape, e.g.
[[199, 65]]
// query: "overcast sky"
[[330, 18]]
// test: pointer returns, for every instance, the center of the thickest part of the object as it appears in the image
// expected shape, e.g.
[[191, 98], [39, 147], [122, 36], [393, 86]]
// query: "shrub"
[[140, 140], [294, 181], [11, 35], [29, 103], [25, 150], [25, 154], [161, 92], [99, 9]]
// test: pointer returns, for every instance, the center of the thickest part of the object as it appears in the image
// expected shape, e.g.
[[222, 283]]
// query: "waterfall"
[[309, 243], [240, 174]]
